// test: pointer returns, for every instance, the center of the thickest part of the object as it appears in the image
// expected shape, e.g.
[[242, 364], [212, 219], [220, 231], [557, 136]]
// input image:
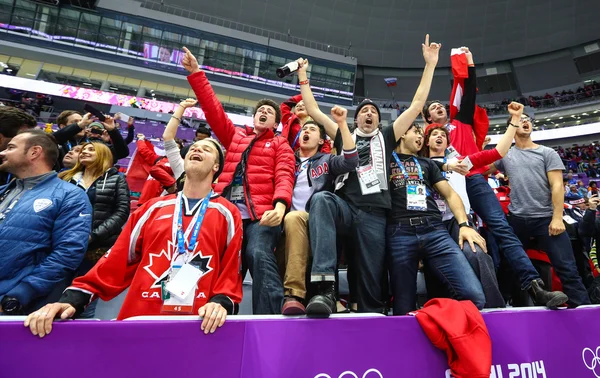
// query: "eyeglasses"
[[528, 119]]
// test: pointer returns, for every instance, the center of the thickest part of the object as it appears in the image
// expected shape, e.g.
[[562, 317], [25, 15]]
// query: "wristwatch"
[[464, 224], [11, 306]]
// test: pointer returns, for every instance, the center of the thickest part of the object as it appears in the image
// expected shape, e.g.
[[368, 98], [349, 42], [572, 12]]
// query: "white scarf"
[[378, 160]]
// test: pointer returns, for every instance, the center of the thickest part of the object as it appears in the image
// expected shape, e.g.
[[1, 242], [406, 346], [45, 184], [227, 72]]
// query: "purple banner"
[[528, 344]]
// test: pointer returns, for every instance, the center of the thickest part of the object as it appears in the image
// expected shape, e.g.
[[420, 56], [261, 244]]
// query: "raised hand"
[[109, 123], [339, 114], [87, 119], [302, 64], [189, 62], [431, 51], [515, 109], [468, 53], [188, 103]]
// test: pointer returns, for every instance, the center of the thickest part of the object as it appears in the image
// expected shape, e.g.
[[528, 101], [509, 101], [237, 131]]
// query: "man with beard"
[[195, 235], [358, 208]]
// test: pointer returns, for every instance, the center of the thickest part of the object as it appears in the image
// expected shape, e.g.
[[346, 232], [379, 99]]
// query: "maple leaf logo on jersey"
[[159, 264]]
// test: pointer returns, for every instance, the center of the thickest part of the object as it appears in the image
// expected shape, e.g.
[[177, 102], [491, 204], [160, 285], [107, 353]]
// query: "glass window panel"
[[89, 19], [334, 72], [69, 14], [152, 32], [319, 69], [347, 74], [190, 41], [46, 19], [111, 23], [24, 15], [170, 36]]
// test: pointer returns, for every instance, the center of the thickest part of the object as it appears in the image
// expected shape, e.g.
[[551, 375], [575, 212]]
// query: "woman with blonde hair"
[[109, 194]]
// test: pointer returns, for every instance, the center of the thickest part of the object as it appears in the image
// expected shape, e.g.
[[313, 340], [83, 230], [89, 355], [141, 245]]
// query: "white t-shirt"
[[458, 182], [302, 191]]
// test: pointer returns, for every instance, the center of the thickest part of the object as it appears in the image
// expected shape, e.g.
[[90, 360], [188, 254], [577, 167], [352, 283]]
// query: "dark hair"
[[63, 117], [46, 141], [416, 126], [510, 118], [428, 131], [12, 120], [426, 114], [271, 103], [322, 132], [203, 130]]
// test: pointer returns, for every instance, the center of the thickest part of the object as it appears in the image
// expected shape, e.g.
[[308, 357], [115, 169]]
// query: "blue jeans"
[[432, 243], [258, 249], [560, 253], [485, 203], [329, 216]]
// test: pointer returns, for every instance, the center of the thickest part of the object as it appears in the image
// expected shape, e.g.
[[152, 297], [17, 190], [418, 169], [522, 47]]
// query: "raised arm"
[[431, 55], [516, 110], [171, 130], [69, 132], [312, 108], [346, 162], [216, 117], [468, 102]]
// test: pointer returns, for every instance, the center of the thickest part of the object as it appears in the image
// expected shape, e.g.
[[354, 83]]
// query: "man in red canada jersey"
[[195, 233]]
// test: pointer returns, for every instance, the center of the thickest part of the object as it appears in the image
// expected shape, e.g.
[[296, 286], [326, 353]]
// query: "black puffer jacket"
[[109, 196]]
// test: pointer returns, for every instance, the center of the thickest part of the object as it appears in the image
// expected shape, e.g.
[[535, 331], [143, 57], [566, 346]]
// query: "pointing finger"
[[426, 39]]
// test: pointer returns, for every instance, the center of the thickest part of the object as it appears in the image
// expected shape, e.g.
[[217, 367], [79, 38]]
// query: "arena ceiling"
[[388, 33]]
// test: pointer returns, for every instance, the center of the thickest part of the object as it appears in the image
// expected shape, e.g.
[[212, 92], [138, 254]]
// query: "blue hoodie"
[[43, 238]]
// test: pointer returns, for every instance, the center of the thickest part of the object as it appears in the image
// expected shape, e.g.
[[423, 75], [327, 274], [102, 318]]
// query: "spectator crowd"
[[383, 207]]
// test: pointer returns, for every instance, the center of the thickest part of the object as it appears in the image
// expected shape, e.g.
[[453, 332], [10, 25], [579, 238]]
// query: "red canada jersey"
[[141, 257]]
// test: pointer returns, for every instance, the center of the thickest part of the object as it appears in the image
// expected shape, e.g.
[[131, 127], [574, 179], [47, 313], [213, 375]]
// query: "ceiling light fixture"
[[88, 84]]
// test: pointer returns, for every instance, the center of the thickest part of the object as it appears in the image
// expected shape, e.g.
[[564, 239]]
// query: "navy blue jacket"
[[43, 238]]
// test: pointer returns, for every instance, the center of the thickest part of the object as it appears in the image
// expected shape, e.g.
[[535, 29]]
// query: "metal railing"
[[183, 12], [499, 108]]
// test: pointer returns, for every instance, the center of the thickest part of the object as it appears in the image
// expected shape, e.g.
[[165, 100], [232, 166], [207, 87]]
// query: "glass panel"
[[130, 39], [46, 20], [189, 42], [111, 23], [88, 29], [23, 15]]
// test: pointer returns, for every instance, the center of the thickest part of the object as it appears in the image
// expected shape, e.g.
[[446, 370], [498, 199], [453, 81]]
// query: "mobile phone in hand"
[[124, 117], [95, 112]]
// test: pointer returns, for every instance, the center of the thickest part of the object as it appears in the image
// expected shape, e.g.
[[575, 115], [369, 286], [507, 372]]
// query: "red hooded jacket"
[[457, 328], [271, 163]]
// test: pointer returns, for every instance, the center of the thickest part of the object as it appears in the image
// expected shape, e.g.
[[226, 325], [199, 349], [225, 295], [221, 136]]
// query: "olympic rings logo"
[[348, 374], [591, 360]]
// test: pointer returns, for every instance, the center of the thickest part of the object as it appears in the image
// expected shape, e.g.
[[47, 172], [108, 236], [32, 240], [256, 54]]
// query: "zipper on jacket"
[[249, 201]]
